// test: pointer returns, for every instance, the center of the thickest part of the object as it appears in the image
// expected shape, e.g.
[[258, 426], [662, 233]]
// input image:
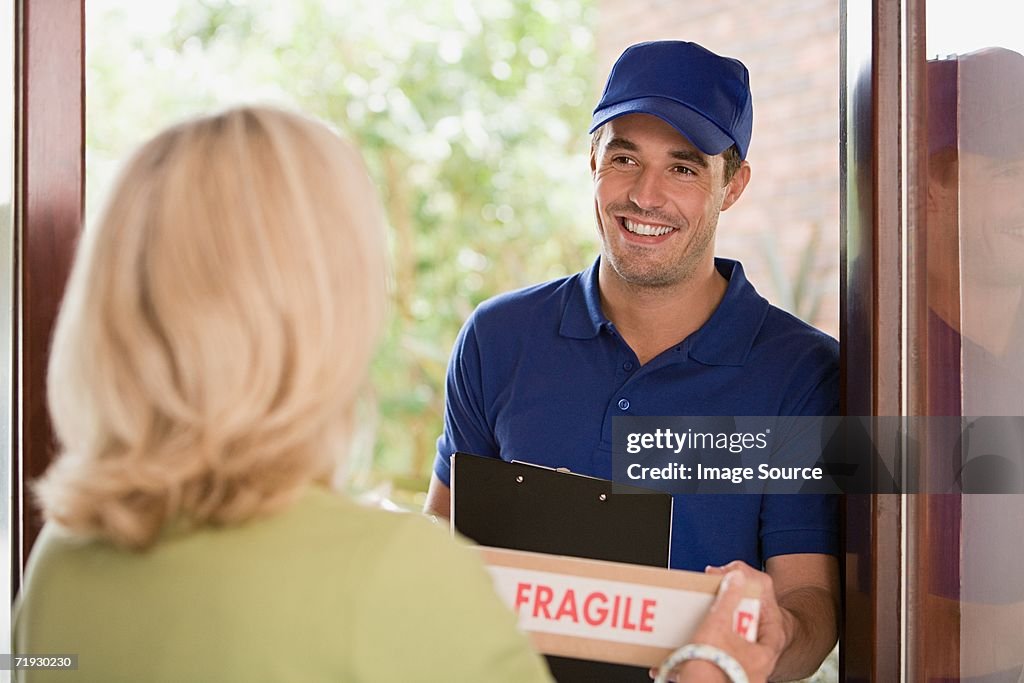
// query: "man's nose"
[[647, 192]]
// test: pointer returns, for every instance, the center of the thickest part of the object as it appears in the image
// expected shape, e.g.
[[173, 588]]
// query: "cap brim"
[[698, 129]]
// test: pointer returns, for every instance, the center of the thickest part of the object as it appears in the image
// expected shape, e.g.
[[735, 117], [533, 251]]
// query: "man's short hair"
[[732, 160]]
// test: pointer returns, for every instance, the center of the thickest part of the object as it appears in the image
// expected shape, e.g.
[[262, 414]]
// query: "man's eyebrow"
[[622, 143], [689, 155], [692, 156]]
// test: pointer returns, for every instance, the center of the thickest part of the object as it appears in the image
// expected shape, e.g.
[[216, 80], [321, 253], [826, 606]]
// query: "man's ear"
[[734, 188], [593, 159]]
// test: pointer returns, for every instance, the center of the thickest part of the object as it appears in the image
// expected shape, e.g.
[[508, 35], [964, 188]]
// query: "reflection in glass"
[[975, 275]]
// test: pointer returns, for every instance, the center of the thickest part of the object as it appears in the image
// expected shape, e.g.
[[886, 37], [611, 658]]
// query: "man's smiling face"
[[657, 199]]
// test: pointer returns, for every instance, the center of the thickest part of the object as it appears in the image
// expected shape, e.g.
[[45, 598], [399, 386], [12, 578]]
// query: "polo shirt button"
[[623, 404], [627, 366]]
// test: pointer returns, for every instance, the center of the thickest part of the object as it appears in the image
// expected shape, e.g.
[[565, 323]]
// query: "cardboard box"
[[607, 611]]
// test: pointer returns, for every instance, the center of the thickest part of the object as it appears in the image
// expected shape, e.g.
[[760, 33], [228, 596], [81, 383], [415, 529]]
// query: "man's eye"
[[684, 170], [623, 161]]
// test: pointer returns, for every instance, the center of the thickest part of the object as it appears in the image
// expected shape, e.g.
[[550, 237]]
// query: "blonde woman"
[[215, 334]]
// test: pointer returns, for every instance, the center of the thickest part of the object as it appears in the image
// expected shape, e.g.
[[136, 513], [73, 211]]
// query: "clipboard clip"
[[563, 470], [560, 470]]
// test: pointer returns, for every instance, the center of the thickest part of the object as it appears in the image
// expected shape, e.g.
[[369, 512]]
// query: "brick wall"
[[791, 48]]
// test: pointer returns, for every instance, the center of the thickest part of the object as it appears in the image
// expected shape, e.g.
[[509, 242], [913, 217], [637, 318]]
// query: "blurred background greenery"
[[472, 117]]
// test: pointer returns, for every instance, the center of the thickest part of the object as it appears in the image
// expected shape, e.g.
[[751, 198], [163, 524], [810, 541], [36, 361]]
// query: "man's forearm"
[[439, 499], [811, 616]]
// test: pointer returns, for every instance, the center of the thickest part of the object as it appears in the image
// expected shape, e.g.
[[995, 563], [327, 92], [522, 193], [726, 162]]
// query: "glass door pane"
[[975, 281]]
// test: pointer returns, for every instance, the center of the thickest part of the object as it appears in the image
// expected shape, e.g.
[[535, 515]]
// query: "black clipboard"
[[530, 507]]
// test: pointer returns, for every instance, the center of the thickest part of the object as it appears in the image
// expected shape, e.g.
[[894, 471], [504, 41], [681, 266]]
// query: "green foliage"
[[472, 118], [803, 291]]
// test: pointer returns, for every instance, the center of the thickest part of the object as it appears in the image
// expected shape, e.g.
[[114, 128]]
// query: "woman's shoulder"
[[322, 533], [335, 518]]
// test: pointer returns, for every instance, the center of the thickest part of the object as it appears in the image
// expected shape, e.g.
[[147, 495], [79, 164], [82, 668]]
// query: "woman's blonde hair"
[[218, 323]]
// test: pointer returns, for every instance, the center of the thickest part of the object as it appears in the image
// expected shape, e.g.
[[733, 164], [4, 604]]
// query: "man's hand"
[[799, 605]]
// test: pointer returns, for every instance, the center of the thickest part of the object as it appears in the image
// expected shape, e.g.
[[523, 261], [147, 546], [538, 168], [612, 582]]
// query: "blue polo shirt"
[[538, 374]]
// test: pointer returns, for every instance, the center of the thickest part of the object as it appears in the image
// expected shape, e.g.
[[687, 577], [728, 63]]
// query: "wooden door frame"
[[889, 537], [49, 204], [872, 220]]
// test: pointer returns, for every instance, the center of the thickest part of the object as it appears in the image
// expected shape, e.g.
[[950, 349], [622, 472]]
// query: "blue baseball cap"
[[704, 96]]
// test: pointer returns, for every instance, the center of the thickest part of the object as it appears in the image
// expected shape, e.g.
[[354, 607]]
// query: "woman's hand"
[[757, 659]]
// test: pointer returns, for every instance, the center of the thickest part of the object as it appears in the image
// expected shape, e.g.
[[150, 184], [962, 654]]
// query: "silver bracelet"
[[729, 666]]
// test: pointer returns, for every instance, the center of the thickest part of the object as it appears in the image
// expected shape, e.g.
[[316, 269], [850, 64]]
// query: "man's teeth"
[[644, 229]]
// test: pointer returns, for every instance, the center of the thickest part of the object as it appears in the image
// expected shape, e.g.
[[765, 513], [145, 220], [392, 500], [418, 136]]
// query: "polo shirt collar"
[[725, 339], [728, 335], [583, 317]]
